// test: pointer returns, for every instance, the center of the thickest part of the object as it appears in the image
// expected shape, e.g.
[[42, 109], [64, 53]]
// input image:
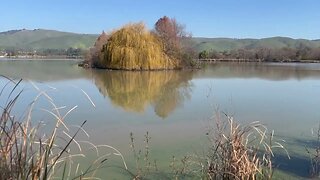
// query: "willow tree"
[[133, 47]]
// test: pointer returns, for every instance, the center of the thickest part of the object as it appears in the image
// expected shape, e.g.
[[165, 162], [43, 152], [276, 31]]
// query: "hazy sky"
[[206, 18]]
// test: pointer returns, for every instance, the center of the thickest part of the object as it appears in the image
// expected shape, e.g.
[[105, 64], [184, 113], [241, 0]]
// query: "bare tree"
[[93, 56], [171, 33]]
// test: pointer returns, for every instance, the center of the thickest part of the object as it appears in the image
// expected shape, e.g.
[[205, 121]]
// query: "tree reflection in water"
[[135, 90]]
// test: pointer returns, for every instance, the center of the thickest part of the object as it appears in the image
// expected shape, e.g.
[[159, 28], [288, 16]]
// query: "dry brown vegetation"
[[235, 152], [27, 151], [240, 152], [94, 55], [133, 47], [314, 155], [171, 33]]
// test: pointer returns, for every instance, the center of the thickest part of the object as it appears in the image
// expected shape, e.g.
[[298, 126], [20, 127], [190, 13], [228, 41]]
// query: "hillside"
[[221, 44], [51, 39], [44, 39]]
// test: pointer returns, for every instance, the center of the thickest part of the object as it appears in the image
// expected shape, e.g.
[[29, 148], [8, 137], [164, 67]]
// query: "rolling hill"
[[45, 39], [51, 39], [221, 44]]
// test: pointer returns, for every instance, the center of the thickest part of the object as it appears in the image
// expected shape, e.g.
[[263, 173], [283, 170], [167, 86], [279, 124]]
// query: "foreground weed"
[[28, 153], [315, 155], [144, 165], [239, 152]]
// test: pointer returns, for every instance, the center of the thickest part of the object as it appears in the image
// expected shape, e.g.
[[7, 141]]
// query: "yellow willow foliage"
[[134, 91], [135, 48]]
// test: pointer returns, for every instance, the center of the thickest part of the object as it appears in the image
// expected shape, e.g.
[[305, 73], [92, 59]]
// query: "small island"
[[134, 47]]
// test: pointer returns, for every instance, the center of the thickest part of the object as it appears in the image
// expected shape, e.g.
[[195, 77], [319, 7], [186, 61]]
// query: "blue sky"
[[204, 18]]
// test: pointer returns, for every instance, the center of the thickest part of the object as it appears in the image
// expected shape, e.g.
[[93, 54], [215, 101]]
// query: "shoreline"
[[258, 60], [198, 60], [40, 59]]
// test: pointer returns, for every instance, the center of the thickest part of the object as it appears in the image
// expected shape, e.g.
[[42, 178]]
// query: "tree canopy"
[[170, 33], [133, 47]]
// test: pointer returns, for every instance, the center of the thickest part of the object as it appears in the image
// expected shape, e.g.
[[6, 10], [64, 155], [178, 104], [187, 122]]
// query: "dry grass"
[[314, 155], [28, 153], [235, 152], [143, 164], [239, 152]]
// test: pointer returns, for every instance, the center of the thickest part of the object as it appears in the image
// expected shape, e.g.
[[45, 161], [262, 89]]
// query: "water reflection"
[[42, 70], [134, 91], [269, 71]]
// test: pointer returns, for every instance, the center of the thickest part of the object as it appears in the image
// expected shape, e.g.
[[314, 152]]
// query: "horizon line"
[[209, 37]]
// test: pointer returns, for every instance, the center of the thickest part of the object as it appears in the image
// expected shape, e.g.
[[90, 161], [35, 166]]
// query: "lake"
[[175, 107]]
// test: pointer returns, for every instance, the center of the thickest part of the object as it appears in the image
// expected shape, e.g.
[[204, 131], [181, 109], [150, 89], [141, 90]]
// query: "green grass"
[[46, 39], [64, 42], [222, 44]]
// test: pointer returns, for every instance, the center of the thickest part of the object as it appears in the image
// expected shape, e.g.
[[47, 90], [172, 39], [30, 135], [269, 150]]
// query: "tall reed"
[[27, 152], [239, 152], [314, 155]]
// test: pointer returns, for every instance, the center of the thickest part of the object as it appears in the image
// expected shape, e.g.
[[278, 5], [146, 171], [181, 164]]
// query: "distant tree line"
[[265, 54], [70, 52]]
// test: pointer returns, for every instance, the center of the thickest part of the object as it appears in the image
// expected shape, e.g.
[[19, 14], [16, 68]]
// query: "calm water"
[[175, 107]]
